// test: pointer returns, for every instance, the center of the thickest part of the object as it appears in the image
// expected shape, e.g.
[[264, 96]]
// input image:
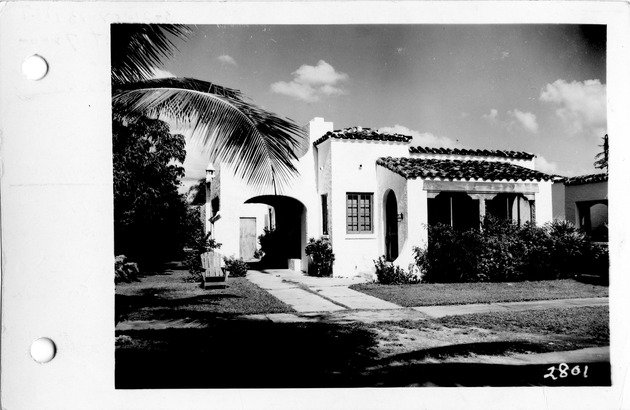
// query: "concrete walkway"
[[311, 294]]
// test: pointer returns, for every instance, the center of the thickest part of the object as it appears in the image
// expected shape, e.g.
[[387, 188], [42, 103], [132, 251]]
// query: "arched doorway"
[[285, 234], [515, 207], [391, 227]]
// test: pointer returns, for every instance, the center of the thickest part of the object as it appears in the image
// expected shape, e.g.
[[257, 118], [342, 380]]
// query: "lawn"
[[430, 294], [167, 295], [242, 353]]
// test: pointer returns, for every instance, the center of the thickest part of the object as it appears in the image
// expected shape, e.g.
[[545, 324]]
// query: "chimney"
[[317, 127]]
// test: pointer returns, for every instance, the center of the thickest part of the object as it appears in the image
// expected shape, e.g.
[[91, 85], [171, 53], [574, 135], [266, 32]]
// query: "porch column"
[[482, 198], [482, 208]]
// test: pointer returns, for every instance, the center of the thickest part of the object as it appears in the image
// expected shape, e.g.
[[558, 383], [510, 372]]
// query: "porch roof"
[[442, 169], [586, 179], [359, 133], [473, 152]]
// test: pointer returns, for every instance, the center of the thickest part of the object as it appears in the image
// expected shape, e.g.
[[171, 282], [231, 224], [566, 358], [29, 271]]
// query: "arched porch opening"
[[456, 209], [593, 218], [515, 207], [284, 236]]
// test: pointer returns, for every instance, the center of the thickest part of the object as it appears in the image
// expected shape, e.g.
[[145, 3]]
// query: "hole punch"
[[35, 67], [43, 350]]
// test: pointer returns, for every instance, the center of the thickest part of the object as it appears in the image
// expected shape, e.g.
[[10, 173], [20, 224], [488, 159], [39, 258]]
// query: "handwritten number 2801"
[[563, 371]]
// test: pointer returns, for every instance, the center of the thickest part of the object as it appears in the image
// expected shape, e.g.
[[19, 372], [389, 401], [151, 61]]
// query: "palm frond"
[[259, 144], [137, 48]]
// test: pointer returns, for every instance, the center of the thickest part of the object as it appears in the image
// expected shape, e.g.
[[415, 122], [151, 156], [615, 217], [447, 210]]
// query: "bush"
[[452, 256], [198, 244], [237, 267], [503, 251], [390, 274], [272, 246], [321, 253], [125, 271]]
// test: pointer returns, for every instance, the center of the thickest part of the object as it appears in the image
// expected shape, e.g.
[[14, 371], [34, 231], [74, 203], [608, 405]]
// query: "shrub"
[[258, 254], [125, 271], [567, 249], [236, 267], [452, 256], [321, 253], [198, 244], [272, 246], [390, 274], [503, 251]]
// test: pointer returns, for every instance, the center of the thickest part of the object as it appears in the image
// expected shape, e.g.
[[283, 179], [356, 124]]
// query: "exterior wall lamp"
[[400, 217], [210, 173]]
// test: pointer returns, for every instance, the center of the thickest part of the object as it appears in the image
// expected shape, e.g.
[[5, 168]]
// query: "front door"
[[391, 227], [248, 238]]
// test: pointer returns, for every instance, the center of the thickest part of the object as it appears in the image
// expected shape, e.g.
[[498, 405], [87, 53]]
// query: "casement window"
[[359, 210], [325, 214]]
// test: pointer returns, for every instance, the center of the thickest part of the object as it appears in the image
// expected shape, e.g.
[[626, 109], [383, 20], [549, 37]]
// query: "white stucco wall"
[[353, 165], [558, 200], [584, 192], [386, 181], [234, 192], [544, 203]]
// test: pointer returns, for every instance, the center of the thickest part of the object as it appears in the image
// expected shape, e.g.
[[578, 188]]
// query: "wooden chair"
[[214, 274]]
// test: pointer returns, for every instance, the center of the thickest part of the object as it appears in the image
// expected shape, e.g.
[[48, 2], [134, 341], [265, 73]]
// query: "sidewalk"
[[330, 299]]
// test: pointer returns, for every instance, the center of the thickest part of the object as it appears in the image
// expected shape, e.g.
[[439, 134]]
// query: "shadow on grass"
[[465, 349], [125, 304], [597, 280], [239, 353]]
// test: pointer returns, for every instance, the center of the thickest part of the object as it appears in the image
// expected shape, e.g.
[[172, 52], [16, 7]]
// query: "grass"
[[242, 353], [430, 294], [246, 353], [168, 295], [582, 322]]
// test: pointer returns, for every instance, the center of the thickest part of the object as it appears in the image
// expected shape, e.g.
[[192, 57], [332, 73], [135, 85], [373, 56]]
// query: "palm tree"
[[258, 143], [602, 157]]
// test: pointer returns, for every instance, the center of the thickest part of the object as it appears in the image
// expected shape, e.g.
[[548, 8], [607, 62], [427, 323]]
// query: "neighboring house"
[[372, 194], [583, 200]]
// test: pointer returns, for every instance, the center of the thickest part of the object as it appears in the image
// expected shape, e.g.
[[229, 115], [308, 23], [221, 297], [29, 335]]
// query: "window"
[[359, 213], [325, 214]]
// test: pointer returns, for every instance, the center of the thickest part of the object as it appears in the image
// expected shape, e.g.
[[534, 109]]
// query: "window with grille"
[[359, 213], [325, 214]]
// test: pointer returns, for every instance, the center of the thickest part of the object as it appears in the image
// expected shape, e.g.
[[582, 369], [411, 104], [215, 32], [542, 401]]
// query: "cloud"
[[226, 59], [546, 166], [526, 119], [159, 73], [311, 83], [424, 139], [581, 104], [492, 117]]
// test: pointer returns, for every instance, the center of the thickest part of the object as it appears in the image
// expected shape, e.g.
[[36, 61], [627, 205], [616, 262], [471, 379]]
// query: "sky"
[[535, 88]]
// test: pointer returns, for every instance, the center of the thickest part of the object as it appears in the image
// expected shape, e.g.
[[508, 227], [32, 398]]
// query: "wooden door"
[[391, 227], [248, 238]]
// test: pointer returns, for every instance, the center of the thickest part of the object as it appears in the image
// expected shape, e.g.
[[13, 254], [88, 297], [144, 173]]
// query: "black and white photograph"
[[360, 205], [314, 205]]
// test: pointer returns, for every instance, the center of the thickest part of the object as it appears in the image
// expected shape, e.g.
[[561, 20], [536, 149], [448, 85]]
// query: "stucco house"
[[583, 200], [373, 194]]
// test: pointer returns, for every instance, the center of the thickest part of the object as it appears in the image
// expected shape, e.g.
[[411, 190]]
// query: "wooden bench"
[[214, 274]]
